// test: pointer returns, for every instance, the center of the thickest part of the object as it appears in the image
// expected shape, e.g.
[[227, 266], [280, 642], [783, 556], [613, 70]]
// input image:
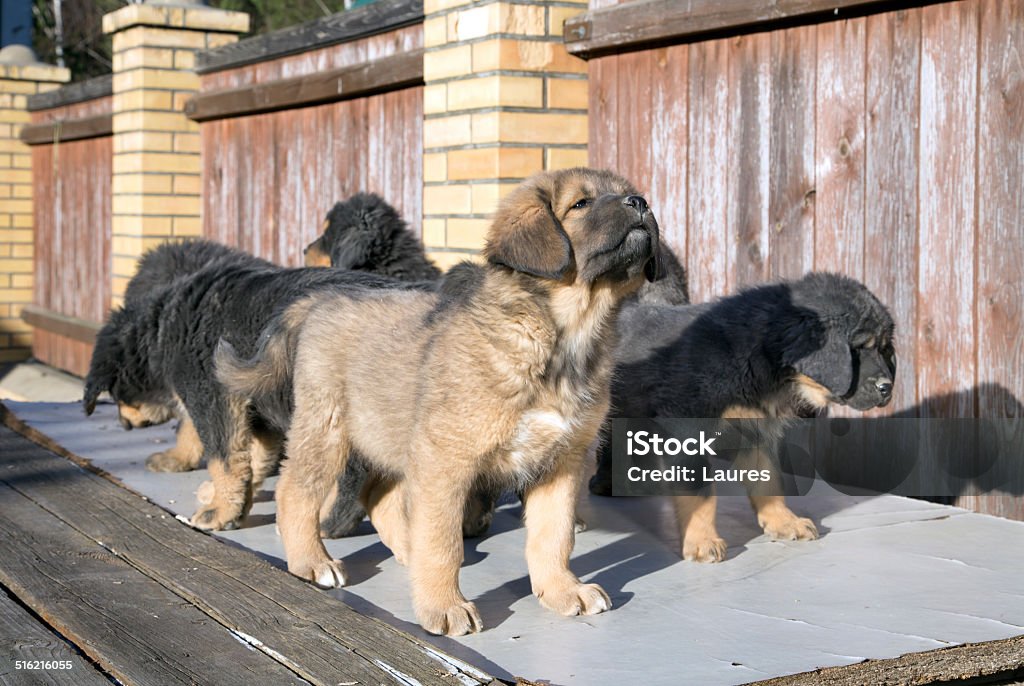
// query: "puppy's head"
[[843, 352], [358, 233], [576, 225], [116, 368]]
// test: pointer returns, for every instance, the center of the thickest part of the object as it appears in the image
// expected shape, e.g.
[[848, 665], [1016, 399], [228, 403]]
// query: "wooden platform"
[[96, 576], [100, 580]]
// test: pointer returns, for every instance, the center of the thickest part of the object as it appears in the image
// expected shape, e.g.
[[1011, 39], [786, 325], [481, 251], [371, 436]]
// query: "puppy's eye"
[[580, 204]]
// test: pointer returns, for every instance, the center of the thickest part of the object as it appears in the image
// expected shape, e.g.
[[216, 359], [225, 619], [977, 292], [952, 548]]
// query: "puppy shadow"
[[253, 520], [365, 564], [263, 496]]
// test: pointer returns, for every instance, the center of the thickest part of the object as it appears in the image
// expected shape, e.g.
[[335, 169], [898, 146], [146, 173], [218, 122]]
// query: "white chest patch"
[[536, 436]]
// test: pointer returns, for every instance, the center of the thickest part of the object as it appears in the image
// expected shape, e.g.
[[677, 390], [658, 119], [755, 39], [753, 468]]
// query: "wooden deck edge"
[[12, 422], [1000, 661], [233, 570]]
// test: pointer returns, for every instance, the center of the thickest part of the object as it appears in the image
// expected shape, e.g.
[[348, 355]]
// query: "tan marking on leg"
[[184, 456], [231, 475], [384, 500], [779, 522], [696, 516], [550, 513]]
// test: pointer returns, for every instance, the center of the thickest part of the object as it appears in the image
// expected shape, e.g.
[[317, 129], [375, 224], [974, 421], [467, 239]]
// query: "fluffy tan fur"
[[505, 379]]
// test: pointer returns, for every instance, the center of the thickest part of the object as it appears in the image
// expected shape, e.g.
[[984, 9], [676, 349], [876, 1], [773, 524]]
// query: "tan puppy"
[[501, 377]]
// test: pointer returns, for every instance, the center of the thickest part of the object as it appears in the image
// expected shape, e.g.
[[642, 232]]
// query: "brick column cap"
[[35, 72], [176, 16]]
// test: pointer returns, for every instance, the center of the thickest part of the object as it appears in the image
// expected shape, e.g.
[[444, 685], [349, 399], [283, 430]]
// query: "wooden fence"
[[72, 158], [295, 121], [887, 144]]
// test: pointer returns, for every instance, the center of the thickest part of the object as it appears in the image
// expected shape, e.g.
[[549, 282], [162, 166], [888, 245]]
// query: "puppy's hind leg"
[[550, 512], [316, 457], [231, 498]]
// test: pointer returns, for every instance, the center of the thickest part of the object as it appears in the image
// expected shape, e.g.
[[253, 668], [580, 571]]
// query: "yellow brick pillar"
[[20, 77], [503, 99], [156, 188]]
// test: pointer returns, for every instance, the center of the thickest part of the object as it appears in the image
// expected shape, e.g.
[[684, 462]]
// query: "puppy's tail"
[[265, 380]]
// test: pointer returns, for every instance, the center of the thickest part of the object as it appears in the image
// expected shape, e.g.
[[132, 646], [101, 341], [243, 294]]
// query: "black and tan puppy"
[[773, 352], [501, 377], [367, 234], [157, 269]]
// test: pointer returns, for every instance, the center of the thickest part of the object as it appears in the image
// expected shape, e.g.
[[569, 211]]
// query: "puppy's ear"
[[830, 364], [527, 237], [93, 388]]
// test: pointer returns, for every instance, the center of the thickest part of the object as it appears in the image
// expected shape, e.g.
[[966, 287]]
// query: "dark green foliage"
[[87, 50]]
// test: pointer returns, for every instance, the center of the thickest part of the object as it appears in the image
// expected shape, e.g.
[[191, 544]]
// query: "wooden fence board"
[[669, 147], [890, 199], [791, 195], [707, 192], [603, 120], [840, 148], [749, 176], [947, 177]]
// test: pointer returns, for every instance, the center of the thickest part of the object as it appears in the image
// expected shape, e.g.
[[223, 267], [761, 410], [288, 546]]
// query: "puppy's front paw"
[[329, 574], [576, 599], [704, 549], [167, 461], [789, 527], [217, 517], [458, 619]]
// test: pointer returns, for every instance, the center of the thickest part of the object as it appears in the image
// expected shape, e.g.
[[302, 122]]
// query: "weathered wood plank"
[[634, 118], [840, 148], [891, 172], [1000, 251], [1001, 204], [358, 80], [709, 236], [633, 25], [75, 328], [972, 663], [319, 637], [68, 130], [128, 623], [669, 143], [947, 177], [27, 639], [749, 155], [603, 104], [791, 192], [371, 19]]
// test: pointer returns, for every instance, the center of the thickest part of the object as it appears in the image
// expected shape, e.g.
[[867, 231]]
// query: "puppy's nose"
[[636, 202], [884, 387]]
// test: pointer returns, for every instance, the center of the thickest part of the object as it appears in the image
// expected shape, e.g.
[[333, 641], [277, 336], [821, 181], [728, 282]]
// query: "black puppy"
[[773, 352]]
